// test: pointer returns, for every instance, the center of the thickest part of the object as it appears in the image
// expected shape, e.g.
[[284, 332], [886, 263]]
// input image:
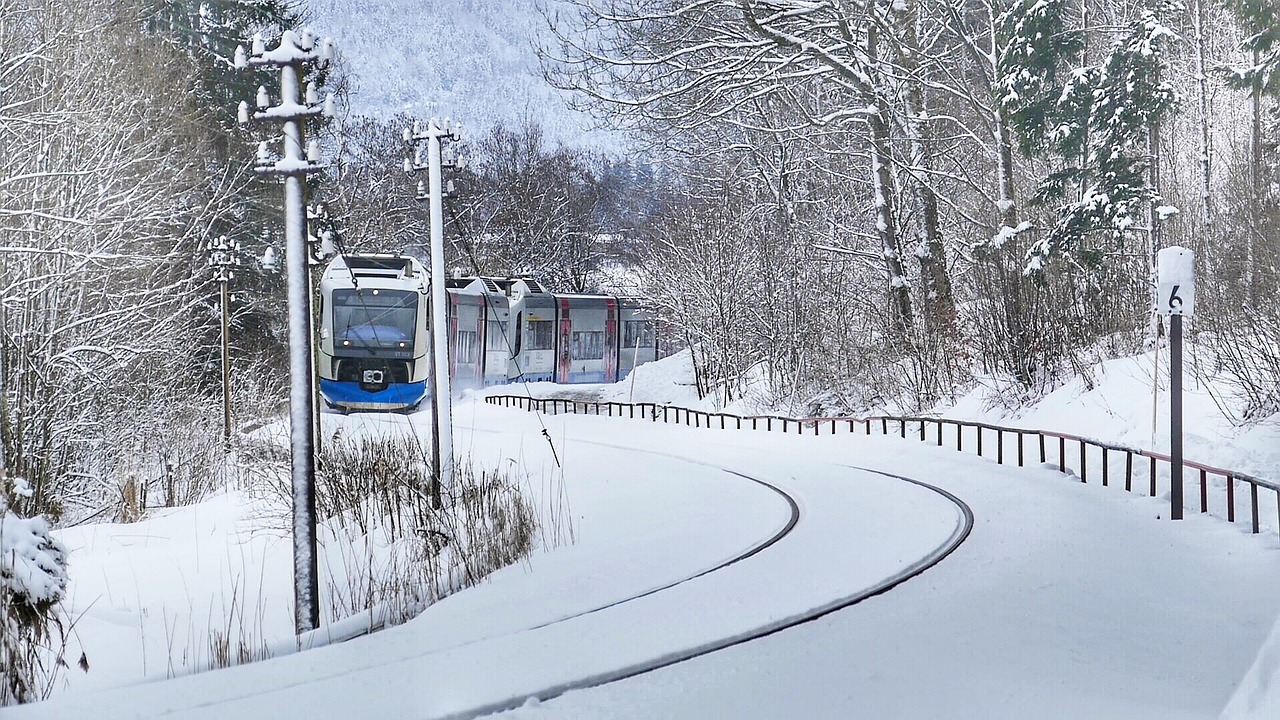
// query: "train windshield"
[[374, 318]]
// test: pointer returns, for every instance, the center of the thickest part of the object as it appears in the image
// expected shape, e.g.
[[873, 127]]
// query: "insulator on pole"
[[242, 60], [243, 114], [330, 107], [259, 46], [313, 151], [313, 95], [264, 153], [308, 39], [408, 165], [263, 99], [408, 136]]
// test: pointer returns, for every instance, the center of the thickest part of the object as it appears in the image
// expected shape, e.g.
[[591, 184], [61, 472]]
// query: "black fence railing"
[[1109, 461]]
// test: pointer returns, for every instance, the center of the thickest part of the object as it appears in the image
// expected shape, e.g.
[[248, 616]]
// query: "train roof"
[[383, 265]]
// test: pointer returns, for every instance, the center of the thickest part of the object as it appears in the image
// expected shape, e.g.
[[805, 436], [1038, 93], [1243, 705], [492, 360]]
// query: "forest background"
[[852, 205]]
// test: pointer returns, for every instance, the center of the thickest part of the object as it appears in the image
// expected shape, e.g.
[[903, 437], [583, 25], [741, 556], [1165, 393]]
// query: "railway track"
[[958, 536]]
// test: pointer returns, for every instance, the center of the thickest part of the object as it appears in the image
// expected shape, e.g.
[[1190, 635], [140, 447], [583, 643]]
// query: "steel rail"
[[958, 536]]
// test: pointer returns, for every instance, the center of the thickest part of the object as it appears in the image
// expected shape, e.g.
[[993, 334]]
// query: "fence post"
[[939, 433], [1019, 448], [1153, 477], [1204, 492], [979, 429], [1084, 464], [1128, 471], [1231, 499], [1106, 472], [922, 431], [1062, 454], [1042, 455], [1253, 496], [902, 427], [999, 446], [959, 437]]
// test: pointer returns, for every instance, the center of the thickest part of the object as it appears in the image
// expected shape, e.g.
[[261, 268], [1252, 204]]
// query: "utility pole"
[[224, 255], [442, 420], [292, 56]]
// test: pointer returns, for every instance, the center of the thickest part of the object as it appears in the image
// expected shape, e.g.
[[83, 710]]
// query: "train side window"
[[588, 345], [465, 347], [495, 336], [637, 332], [541, 334]]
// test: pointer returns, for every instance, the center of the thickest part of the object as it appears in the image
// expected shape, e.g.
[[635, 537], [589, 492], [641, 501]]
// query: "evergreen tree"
[[1093, 121], [210, 30]]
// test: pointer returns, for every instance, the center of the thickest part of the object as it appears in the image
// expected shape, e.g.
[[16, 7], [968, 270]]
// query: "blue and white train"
[[375, 344]]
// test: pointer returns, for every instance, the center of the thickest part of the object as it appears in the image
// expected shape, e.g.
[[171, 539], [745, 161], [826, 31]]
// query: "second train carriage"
[[500, 331]]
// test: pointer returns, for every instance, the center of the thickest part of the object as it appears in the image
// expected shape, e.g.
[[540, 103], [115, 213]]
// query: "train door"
[[466, 330], [497, 339], [611, 340], [564, 342]]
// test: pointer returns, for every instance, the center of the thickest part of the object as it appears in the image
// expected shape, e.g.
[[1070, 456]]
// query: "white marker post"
[[1175, 297]]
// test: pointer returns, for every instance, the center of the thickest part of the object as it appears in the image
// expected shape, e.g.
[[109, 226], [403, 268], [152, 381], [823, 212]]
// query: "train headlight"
[[402, 344], [346, 343]]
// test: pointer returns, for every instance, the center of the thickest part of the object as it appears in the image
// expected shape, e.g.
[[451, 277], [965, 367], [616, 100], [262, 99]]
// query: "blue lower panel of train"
[[349, 395]]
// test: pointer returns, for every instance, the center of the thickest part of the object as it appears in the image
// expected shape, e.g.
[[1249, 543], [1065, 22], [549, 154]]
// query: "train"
[[374, 349]]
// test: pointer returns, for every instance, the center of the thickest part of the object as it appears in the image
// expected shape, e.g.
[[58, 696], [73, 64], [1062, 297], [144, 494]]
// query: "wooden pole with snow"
[[294, 53], [1175, 297]]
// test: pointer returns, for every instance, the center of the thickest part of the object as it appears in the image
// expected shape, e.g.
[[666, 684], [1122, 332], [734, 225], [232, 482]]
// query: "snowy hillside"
[[472, 60]]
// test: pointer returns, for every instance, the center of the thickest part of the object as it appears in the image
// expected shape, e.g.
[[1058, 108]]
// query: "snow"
[[32, 564], [1067, 599], [475, 61], [1175, 265], [1006, 233]]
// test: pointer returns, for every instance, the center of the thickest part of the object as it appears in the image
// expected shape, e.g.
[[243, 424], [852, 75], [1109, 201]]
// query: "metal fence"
[[1046, 447]]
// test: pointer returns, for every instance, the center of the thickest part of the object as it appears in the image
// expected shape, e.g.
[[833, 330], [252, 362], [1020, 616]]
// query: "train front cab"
[[373, 350]]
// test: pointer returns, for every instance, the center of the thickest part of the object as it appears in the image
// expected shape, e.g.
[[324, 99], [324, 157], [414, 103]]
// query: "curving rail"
[[943, 431], [961, 532]]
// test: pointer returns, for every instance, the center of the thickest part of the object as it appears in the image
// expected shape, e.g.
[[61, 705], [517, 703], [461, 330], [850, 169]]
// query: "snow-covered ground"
[[1066, 600]]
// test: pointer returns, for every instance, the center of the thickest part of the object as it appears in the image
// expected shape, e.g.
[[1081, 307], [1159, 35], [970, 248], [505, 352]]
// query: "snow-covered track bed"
[[679, 554]]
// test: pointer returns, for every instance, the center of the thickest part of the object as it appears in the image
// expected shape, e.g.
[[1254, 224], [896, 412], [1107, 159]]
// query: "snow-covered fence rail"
[[1080, 455]]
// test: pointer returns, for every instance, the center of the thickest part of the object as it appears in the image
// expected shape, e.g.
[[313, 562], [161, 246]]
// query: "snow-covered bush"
[[33, 579]]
